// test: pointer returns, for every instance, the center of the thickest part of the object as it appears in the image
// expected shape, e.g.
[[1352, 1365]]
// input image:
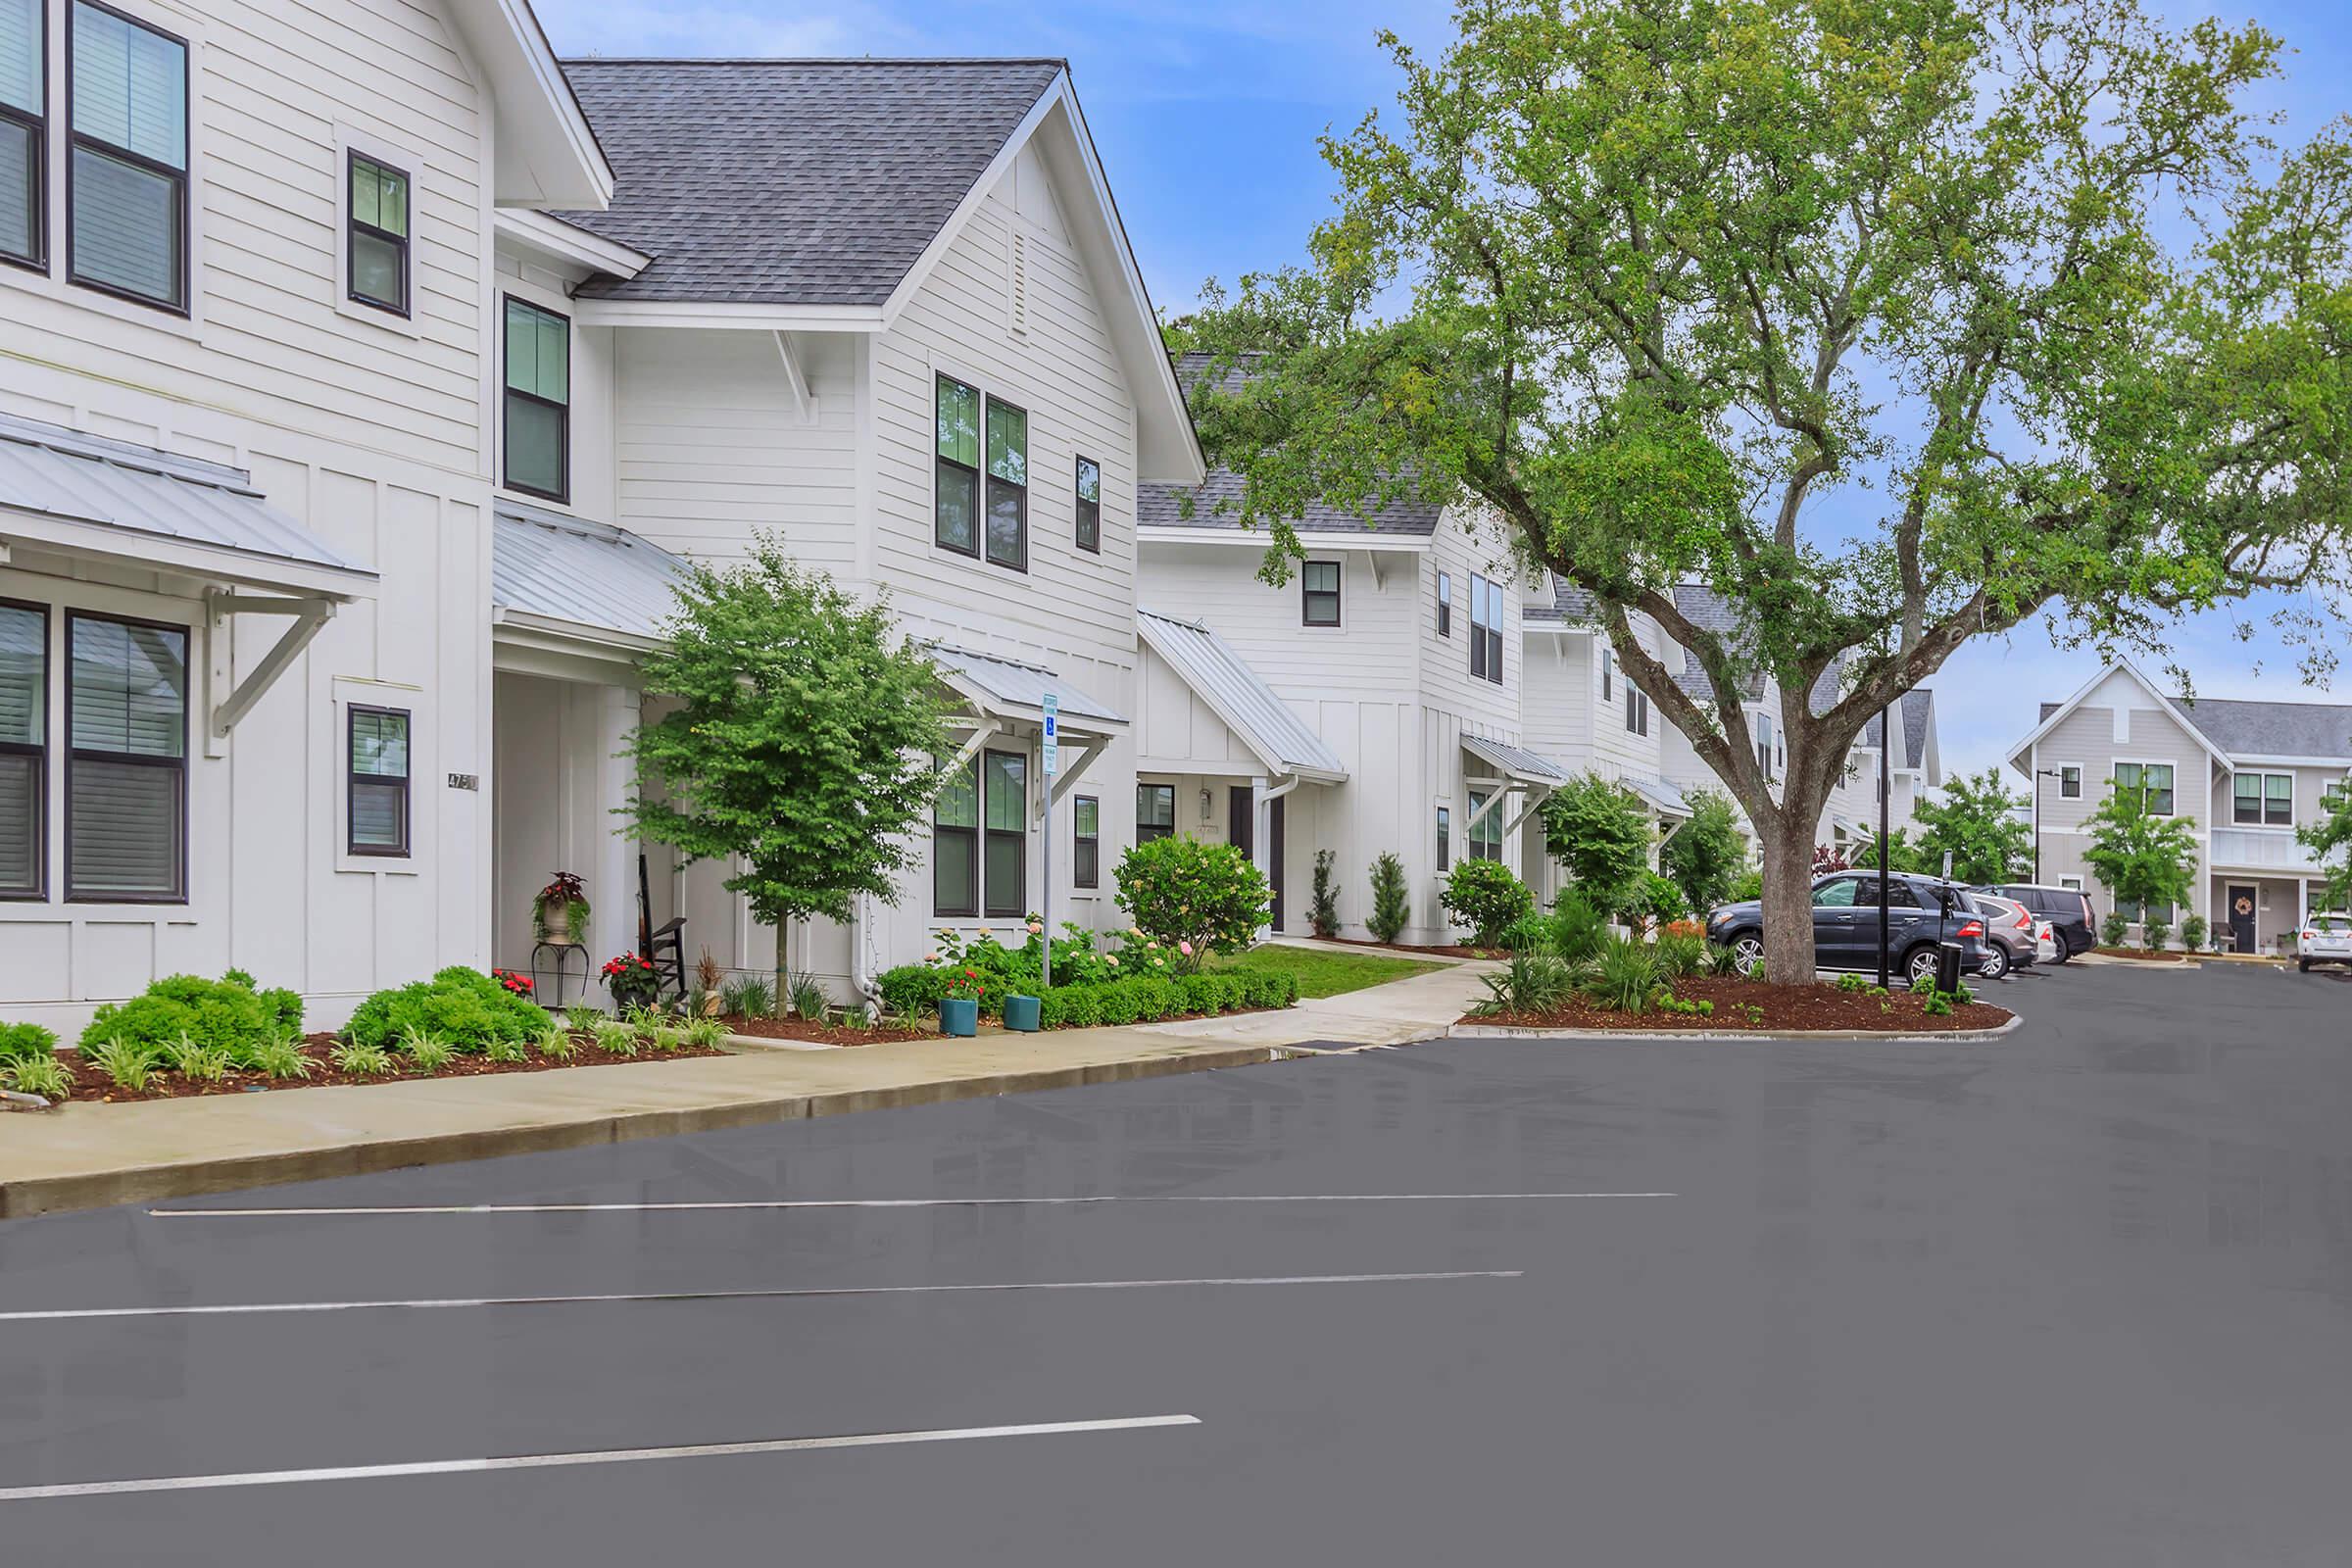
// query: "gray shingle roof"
[[2272, 729], [1569, 606], [791, 182]]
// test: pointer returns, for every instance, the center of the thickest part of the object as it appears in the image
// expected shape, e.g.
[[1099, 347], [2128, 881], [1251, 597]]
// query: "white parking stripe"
[[883, 1202], [549, 1461], [255, 1309]]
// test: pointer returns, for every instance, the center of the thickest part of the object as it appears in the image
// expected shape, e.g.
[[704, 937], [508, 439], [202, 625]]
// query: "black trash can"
[[1948, 967]]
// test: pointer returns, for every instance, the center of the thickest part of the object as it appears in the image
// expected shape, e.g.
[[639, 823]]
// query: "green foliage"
[[2113, 929], [1193, 897], [2038, 281], [464, 1007], [583, 1015], [1700, 1008], [709, 1034], [1902, 855], [225, 1014], [557, 1043], [667, 1040], [1679, 954], [1976, 821], [1579, 927], [2194, 932], [506, 1050], [1655, 899], [1392, 906], [1853, 984], [749, 998], [2153, 934], [279, 1057], [1600, 832], [1486, 897], [43, 1075], [1746, 887], [616, 1038], [2144, 859], [362, 1061], [809, 1002], [196, 1060], [1146, 998], [1534, 982], [911, 989], [425, 1052], [1721, 962], [1705, 855], [25, 1042], [797, 747], [1624, 976], [126, 1063], [2330, 841], [1323, 905]]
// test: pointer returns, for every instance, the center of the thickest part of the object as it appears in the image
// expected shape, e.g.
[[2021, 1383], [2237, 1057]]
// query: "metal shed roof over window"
[[1272, 731], [83, 495], [1005, 688], [563, 575], [1661, 797], [1516, 763]]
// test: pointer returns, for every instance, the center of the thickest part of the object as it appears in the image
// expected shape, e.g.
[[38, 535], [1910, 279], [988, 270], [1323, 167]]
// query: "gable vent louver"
[[1018, 284]]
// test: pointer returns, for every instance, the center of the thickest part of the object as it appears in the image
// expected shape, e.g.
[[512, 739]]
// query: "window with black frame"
[[126, 173], [377, 256], [538, 402], [1086, 830], [2265, 799], [956, 481], [377, 788], [955, 843], [1155, 811], [1004, 803], [1445, 839], [1089, 505], [24, 132], [1445, 604], [1486, 832], [1636, 711], [1007, 485], [2153, 781], [1319, 593], [23, 748], [126, 724]]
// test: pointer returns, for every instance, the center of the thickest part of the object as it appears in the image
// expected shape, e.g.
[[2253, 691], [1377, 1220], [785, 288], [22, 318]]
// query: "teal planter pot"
[[1020, 1014], [960, 1015]]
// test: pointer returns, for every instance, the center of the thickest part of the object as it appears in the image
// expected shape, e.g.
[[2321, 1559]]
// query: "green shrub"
[[27, 1042], [2153, 933], [556, 1043], [1392, 906], [1625, 977], [427, 1053], [1579, 927], [1486, 897], [708, 1033], [2112, 929], [279, 1057], [2193, 937], [45, 1076], [1746, 888], [809, 1000], [1679, 953], [1654, 901], [224, 1014], [616, 1038], [1121, 1004], [126, 1063], [464, 1007], [1202, 994], [197, 1061], [1193, 897], [1323, 907], [910, 988], [1853, 984], [1157, 997], [1723, 962], [749, 998], [362, 1061], [1532, 982]]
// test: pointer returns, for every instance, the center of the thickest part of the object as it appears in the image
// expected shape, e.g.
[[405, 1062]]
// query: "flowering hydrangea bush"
[[1192, 898]]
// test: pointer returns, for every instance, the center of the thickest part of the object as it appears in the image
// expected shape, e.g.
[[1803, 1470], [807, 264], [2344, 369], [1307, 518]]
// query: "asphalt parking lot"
[[2079, 1295]]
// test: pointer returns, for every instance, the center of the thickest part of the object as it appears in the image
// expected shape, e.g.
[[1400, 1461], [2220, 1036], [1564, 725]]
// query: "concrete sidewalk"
[[92, 1156]]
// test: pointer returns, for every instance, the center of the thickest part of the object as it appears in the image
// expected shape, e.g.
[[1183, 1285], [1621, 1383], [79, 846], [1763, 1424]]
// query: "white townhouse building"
[[1380, 701], [2246, 774], [248, 328], [886, 310]]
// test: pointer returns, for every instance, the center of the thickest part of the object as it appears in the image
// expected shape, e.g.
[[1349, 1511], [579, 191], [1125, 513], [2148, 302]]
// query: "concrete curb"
[[1482, 1030], [192, 1178]]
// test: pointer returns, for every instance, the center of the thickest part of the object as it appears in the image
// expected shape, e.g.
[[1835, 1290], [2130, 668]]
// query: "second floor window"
[[2070, 783], [2154, 781], [1486, 629], [127, 174], [1636, 711], [1319, 593], [1089, 505], [1765, 750], [538, 404], [377, 260], [1445, 604], [1608, 674], [24, 130], [2265, 800], [1008, 486]]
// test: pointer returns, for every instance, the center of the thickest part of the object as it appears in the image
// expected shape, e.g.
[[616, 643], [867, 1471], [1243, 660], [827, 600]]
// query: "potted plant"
[[632, 980], [959, 1003], [1020, 1008], [559, 914]]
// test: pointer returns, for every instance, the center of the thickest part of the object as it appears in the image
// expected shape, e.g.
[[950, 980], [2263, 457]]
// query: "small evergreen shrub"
[[1391, 906], [2112, 930], [1486, 897], [2153, 935], [1323, 908], [2194, 932]]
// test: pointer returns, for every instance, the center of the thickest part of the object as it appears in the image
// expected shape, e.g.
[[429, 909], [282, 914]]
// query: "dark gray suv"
[[1922, 909]]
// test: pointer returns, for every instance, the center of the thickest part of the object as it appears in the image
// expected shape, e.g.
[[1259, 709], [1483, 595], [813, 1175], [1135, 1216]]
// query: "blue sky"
[[1206, 116]]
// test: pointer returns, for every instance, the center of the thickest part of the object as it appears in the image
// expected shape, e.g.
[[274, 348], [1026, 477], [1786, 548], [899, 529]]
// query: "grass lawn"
[[1327, 974]]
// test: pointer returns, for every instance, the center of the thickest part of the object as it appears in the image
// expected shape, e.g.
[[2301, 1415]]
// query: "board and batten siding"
[[370, 432]]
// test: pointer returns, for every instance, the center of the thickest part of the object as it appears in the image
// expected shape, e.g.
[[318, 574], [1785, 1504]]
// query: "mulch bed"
[[90, 1086], [762, 1027], [1779, 1009], [2141, 956]]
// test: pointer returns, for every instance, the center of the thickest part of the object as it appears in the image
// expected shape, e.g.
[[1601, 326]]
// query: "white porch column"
[[609, 857], [1261, 818]]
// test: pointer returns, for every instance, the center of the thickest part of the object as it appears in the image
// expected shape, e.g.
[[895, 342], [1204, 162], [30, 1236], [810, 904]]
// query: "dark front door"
[[2241, 918], [1274, 853], [1240, 820]]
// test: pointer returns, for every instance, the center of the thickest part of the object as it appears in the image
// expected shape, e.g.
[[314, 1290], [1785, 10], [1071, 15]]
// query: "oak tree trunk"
[[1787, 846]]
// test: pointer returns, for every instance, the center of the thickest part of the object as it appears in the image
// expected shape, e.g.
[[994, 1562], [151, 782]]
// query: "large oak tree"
[[2023, 286]]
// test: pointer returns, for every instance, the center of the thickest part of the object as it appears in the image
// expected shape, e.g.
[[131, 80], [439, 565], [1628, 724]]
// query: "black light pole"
[[1885, 737]]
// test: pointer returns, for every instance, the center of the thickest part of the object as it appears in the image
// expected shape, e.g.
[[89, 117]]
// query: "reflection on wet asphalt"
[[2082, 1294]]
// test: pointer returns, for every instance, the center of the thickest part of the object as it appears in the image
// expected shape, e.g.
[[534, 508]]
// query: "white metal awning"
[[1012, 692], [1220, 677], [567, 580], [1515, 763], [1660, 796]]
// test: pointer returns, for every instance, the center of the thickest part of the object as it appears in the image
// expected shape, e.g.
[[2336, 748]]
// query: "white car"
[[2324, 939], [2045, 941]]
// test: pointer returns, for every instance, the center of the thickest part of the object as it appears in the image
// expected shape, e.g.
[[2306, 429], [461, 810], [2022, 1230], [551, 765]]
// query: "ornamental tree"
[[2143, 858], [1705, 854], [1977, 823], [796, 741], [1595, 828], [1894, 322]]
